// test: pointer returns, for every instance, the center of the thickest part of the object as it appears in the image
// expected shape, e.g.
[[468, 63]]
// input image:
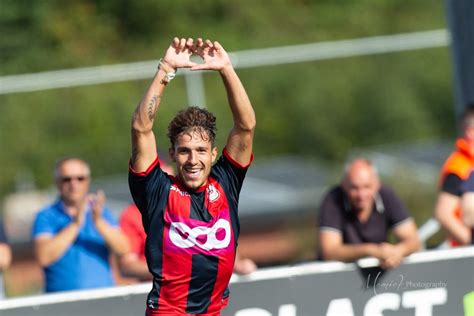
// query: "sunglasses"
[[70, 179]]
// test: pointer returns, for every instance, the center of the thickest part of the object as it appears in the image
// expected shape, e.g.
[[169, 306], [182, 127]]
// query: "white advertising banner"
[[438, 282]]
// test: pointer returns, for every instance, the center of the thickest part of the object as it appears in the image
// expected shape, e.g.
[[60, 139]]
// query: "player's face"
[[194, 155], [73, 181]]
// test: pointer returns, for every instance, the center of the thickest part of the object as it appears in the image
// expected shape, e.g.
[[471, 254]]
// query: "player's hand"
[[213, 54], [179, 53]]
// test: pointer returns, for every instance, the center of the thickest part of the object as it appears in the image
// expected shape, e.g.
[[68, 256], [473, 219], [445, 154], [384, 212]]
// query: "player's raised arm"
[[239, 142], [143, 140]]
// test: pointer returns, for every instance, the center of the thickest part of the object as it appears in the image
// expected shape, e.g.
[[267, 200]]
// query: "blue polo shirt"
[[85, 264]]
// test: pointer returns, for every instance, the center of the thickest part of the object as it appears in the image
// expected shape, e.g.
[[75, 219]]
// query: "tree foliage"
[[317, 109]]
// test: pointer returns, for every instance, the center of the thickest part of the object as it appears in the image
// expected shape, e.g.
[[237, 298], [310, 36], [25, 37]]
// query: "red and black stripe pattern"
[[191, 237]]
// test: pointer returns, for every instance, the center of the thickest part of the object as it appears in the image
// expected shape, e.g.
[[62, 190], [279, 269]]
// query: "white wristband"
[[169, 75]]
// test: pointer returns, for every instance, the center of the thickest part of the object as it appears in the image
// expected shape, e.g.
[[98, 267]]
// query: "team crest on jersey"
[[213, 193]]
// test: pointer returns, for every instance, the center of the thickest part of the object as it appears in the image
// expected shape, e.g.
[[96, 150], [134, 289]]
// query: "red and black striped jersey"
[[191, 237]]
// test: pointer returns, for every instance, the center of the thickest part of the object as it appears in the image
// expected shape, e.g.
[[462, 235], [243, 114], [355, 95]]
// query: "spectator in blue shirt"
[[74, 236]]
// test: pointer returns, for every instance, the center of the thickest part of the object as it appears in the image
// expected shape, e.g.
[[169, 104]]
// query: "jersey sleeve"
[[330, 215], [148, 189], [451, 184], [230, 174], [397, 213]]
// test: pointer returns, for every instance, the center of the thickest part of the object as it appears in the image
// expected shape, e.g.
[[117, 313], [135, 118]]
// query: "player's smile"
[[194, 156]]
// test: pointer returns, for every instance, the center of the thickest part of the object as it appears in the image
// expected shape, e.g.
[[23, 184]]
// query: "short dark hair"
[[193, 119]]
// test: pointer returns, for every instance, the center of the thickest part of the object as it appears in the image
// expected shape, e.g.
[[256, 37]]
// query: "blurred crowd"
[[76, 239]]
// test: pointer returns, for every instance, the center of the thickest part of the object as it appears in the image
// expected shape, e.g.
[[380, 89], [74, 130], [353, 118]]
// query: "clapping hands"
[[97, 201]]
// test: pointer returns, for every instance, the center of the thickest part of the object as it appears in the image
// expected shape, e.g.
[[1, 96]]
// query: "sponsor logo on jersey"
[[207, 238]]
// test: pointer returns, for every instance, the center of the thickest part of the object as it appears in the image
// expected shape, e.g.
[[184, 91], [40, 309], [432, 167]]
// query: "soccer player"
[[191, 219]]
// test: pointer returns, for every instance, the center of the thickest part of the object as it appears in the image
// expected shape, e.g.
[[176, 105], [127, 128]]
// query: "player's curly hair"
[[193, 119]]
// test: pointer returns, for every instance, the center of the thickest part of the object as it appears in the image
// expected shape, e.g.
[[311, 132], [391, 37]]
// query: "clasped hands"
[[178, 55], [390, 256], [96, 202]]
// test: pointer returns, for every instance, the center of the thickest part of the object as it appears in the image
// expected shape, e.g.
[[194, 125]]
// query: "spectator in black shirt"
[[356, 217]]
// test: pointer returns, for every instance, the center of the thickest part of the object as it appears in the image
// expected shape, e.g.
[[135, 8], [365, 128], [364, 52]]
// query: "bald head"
[[361, 183], [59, 165], [72, 177]]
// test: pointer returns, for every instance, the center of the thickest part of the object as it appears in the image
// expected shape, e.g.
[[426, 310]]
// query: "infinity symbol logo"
[[207, 238]]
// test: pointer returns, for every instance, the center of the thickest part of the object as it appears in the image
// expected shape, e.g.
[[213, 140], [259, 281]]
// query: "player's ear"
[[214, 153], [171, 154]]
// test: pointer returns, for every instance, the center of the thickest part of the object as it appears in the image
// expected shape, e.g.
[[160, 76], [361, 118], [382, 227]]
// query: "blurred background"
[[396, 107]]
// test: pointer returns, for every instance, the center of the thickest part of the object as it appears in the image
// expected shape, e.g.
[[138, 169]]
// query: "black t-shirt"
[[335, 214]]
